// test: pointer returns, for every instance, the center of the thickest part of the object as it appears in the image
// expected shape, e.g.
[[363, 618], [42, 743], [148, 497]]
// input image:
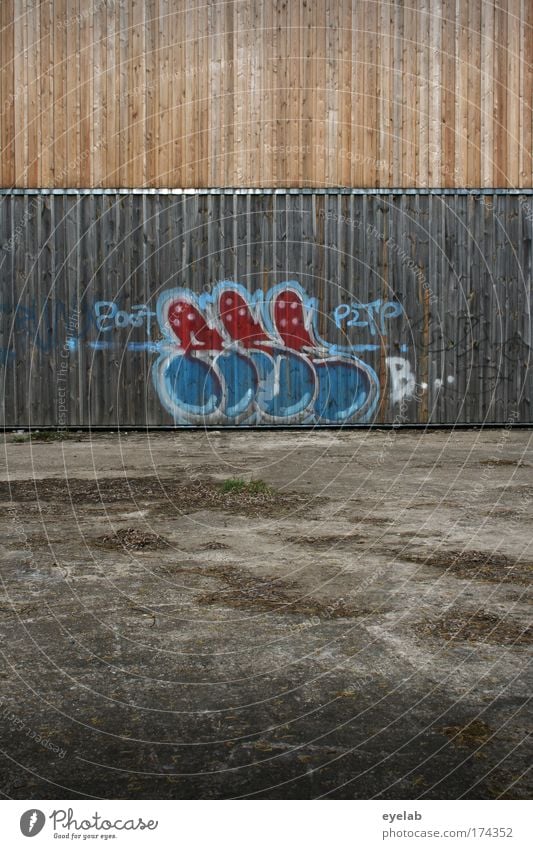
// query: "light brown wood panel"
[[196, 93], [7, 92]]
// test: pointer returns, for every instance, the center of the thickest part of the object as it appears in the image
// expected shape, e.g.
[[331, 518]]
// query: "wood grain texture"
[[458, 264], [199, 93]]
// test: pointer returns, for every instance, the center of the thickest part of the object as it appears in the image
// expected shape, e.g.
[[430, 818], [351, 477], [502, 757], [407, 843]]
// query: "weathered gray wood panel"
[[431, 291]]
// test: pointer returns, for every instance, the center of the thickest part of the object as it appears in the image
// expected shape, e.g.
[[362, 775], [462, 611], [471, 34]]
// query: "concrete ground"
[[357, 627]]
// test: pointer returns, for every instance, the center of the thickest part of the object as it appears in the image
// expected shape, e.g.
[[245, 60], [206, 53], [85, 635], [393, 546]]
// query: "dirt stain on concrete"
[[177, 497], [479, 626], [474, 565], [327, 541], [132, 539], [473, 735], [240, 589]]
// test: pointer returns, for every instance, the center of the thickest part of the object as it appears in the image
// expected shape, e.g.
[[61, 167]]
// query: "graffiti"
[[228, 356], [403, 383], [374, 315], [6, 355], [239, 358], [45, 325]]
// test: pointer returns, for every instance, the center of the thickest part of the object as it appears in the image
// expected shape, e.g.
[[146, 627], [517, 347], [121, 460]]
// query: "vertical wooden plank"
[[152, 91], [502, 309], [472, 271], [228, 35], [32, 233], [65, 248], [59, 118], [526, 95], [73, 93], [185, 123], [99, 107], [19, 211], [386, 292], [449, 307], [423, 86], [49, 319], [164, 236], [448, 92], [274, 160], [398, 177], [137, 101], [512, 119], [198, 101], [151, 288], [199, 93], [479, 280], [358, 94], [7, 93], [320, 94], [294, 95], [110, 279], [32, 62], [473, 105], [203, 95], [500, 58], [487, 93], [334, 152], [213, 242], [515, 309], [241, 81], [458, 390], [123, 134], [488, 305], [461, 94], [344, 134], [307, 62], [410, 87], [8, 287], [137, 360], [165, 85], [421, 261], [240, 236], [257, 95], [86, 28], [20, 94], [215, 130], [371, 113], [435, 95], [433, 279], [124, 375], [385, 94], [113, 95], [525, 205]]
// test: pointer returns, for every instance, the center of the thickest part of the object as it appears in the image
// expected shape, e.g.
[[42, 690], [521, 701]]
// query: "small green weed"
[[42, 436], [239, 487]]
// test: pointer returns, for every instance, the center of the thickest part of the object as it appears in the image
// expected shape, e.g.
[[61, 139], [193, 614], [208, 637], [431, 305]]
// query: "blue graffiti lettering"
[[109, 316], [373, 315]]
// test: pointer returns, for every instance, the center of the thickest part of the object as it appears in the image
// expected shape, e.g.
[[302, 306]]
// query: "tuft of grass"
[[42, 436], [236, 486]]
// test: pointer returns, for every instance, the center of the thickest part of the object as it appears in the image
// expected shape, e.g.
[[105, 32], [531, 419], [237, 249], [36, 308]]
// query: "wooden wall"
[[131, 93], [458, 265]]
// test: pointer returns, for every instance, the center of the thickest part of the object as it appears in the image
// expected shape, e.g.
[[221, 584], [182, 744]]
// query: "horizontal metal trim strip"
[[11, 430], [267, 191]]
